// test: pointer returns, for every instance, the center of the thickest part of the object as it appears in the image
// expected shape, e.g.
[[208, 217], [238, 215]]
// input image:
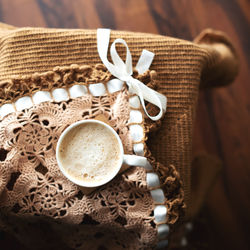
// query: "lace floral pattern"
[[119, 214], [31, 183]]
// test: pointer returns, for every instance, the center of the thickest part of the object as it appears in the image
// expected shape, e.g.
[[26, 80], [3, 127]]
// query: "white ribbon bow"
[[124, 71]]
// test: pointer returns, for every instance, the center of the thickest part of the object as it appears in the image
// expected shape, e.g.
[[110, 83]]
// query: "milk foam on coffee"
[[90, 152]]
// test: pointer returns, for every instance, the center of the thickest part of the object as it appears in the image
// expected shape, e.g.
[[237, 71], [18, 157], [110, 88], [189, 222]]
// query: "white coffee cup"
[[131, 160]]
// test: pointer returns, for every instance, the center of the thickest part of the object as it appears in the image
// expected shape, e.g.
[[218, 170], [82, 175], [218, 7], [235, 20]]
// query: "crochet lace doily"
[[119, 214]]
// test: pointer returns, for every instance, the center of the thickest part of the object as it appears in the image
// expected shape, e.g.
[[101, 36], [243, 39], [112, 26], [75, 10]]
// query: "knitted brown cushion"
[[38, 59]]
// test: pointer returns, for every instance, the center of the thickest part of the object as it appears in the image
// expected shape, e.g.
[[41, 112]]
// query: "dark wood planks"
[[223, 119]]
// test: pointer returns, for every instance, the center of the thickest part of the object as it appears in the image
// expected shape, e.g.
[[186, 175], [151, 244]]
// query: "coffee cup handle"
[[135, 160]]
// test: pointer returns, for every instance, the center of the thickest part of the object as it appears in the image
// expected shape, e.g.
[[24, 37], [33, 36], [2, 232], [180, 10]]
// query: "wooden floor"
[[223, 115]]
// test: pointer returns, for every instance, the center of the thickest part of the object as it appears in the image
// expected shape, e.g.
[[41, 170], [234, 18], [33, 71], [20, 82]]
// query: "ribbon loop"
[[124, 70]]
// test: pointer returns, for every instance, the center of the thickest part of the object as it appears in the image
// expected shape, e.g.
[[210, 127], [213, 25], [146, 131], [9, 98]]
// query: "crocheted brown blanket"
[[32, 189]]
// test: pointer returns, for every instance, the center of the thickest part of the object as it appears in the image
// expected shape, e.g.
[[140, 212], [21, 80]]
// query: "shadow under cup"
[[89, 153]]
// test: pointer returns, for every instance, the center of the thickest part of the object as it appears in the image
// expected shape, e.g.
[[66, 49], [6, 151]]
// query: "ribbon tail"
[[150, 95], [103, 43], [103, 36], [153, 96], [144, 61]]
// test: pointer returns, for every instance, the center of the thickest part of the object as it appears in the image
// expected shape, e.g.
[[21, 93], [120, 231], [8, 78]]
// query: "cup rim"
[[77, 181]]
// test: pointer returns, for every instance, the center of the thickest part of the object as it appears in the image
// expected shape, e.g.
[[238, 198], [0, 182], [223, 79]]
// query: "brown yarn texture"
[[34, 59], [178, 63]]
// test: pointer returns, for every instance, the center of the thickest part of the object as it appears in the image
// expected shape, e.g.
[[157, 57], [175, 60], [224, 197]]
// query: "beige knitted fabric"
[[29, 62], [178, 64]]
